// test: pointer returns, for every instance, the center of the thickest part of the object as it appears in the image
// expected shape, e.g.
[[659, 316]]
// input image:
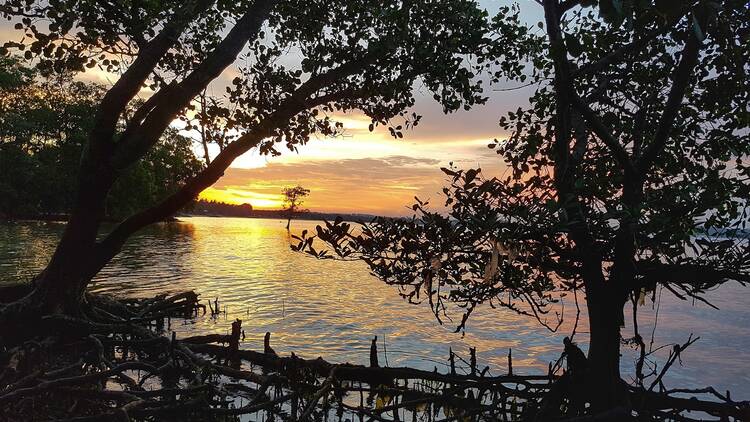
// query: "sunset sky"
[[369, 172]]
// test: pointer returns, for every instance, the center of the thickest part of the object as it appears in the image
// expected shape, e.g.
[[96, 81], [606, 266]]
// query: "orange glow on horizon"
[[361, 171], [262, 201]]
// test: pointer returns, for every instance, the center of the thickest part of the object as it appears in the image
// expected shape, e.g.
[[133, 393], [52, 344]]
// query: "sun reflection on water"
[[333, 309]]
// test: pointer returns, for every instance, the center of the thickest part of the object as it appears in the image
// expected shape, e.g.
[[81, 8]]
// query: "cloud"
[[384, 186]]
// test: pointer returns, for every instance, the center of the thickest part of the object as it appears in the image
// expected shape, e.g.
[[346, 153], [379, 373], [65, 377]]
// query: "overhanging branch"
[[616, 55], [172, 99], [698, 275], [111, 245], [117, 98]]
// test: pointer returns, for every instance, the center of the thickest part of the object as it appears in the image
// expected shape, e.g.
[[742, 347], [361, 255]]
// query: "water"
[[333, 309]]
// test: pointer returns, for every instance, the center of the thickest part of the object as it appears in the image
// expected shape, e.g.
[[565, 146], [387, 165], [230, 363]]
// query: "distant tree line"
[[44, 122], [215, 208], [223, 209]]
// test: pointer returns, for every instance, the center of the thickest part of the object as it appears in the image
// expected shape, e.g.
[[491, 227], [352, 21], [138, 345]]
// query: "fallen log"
[[661, 401], [208, 338]]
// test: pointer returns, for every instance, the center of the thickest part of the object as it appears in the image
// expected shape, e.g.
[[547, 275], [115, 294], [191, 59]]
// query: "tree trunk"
[[604, 303], [605, 385], [61, 286], [607, 302]]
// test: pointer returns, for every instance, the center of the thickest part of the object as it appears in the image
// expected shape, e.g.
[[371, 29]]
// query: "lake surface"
[[333, 309]]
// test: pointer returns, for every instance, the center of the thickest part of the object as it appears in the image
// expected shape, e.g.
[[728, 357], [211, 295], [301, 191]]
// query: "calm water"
[[332, 309]]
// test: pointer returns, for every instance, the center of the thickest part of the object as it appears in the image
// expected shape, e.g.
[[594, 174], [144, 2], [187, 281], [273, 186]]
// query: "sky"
[[370, 172]]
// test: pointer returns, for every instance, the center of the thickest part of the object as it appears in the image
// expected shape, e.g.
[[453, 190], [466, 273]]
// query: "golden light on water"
[[333, 309]]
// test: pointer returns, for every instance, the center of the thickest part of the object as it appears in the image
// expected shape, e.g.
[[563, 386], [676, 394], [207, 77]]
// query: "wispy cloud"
[[385, 185]]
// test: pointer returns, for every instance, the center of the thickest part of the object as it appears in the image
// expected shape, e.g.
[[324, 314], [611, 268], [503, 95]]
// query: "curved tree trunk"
[[78, 257], [60, 287]]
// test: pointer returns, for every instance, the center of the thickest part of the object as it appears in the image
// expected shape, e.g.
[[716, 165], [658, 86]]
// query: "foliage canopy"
[[291, 67], [44, 122], [624, 173]]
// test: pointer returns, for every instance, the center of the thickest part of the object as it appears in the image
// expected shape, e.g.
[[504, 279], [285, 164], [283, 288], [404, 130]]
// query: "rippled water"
[[332, 309]]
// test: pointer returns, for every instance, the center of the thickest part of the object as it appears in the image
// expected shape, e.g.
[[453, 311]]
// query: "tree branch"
[[605, 134], [564, 172], [681, 79], [117, 98], [568, 4], [693, 274], [111, 245], [175, 98], [633, 47]]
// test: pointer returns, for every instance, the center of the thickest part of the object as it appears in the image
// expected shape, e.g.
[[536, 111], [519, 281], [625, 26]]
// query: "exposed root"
[[117, 366]]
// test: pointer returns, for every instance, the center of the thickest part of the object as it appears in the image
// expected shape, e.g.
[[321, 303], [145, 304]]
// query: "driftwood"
[[118, 366]]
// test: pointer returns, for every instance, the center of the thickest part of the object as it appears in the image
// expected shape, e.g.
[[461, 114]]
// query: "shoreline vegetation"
[[225, 210], [202, 208]]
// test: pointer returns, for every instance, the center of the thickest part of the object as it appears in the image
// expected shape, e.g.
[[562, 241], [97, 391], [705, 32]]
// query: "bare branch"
[[681, 79]]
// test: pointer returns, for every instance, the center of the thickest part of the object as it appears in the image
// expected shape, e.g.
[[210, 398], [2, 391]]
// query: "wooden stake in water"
[[510, 362], [473, 360], [374, 353]]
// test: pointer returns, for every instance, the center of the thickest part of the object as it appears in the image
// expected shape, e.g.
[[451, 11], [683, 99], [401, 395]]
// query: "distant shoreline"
[[267, 214], [281, 215]]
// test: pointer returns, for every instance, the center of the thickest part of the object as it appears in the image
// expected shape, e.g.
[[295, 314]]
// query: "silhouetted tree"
[[294, 198], [211, 121], [632, 156], [44, 121], [348, 55]]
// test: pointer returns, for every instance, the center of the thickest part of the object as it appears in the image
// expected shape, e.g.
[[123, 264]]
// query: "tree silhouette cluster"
[[44, 121], [626, 172], [349, 55]]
